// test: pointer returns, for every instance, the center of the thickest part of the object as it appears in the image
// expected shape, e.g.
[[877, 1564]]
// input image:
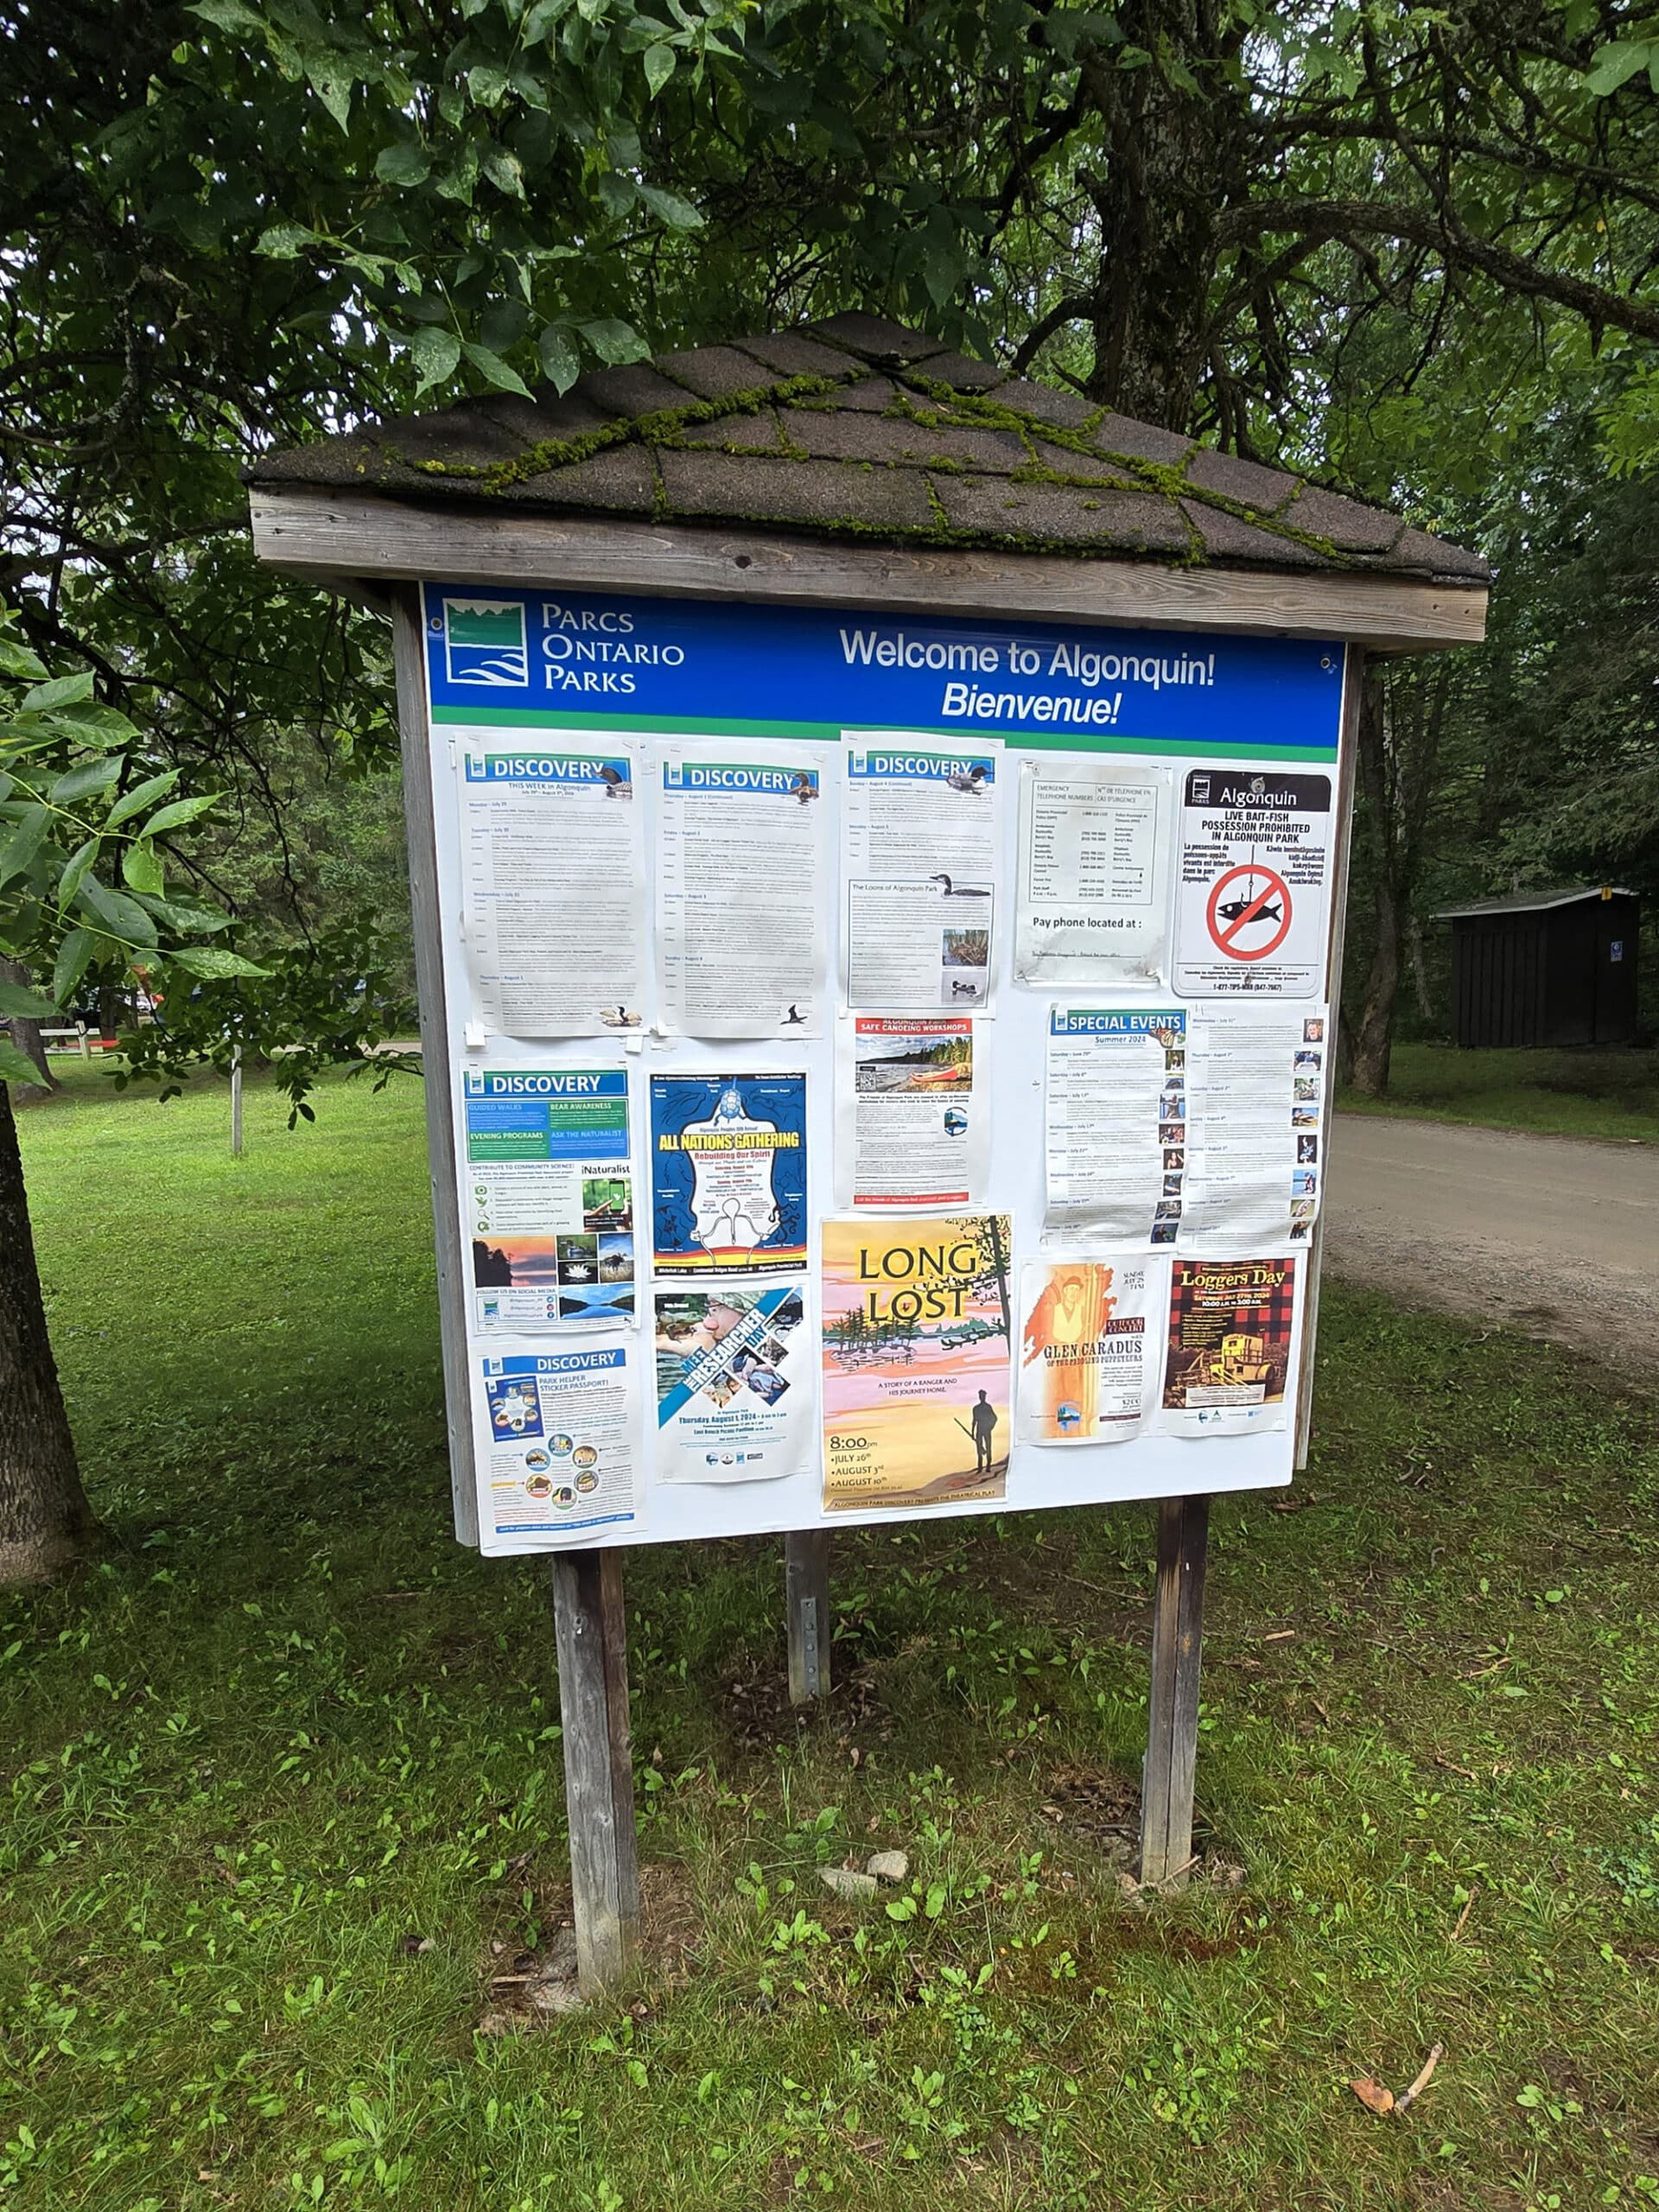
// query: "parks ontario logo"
[[484, 642]]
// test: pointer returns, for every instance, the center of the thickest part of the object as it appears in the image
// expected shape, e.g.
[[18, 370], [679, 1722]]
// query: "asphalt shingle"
[[897, 436]]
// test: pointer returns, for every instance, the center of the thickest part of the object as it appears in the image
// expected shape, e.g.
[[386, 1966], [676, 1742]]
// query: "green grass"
[[1560, 1094], [287, 1728]]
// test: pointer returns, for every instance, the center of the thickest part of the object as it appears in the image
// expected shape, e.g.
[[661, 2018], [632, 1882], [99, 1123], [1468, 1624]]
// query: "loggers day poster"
[[917, 1329]]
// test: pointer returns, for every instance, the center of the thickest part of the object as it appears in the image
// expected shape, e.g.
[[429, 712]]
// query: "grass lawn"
[[1562, 1094], [287, 1733]]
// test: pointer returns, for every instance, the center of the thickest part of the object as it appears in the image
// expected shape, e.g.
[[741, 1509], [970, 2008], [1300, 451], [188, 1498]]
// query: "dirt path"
[[1553, 1236]]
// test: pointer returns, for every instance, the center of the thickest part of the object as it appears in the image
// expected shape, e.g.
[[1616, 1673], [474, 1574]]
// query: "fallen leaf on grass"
[[1374, 2098]]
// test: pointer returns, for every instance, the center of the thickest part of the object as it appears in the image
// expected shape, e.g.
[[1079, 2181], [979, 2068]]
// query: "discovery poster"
[[560, 1461], [917, 1327], [547, 1195]]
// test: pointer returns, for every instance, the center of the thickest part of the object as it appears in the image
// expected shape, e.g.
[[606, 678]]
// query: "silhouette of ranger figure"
[[983, 1421]]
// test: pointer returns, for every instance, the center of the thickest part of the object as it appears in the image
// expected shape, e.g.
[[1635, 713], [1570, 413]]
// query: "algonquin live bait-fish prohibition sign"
[[1250, 907]]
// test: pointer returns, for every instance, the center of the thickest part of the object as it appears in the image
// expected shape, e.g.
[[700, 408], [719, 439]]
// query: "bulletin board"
[[887, 1058]]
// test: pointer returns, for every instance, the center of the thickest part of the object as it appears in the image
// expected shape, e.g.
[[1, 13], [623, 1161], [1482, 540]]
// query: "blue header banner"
[[587, 660]]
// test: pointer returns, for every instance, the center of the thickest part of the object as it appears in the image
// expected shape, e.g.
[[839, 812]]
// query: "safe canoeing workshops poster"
[[917, 1327]]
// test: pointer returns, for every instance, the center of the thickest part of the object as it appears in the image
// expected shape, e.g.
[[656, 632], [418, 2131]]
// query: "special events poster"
[[1227, 1359], [916, 1333], [728, 1174]]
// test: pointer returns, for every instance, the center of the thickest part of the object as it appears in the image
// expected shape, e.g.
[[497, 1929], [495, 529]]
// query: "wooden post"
[[236, 1101], [589, 1626], [1173, 1714], [85, 1042], [806, 1587]]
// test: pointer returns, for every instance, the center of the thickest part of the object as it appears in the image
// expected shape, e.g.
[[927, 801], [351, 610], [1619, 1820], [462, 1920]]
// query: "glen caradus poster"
[[916, 1333]]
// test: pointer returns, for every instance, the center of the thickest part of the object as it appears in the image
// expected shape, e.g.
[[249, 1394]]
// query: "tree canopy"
[[1386, 242]]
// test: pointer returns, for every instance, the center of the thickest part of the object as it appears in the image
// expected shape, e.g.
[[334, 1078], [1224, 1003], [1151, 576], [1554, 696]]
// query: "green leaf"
[[487, 83], [935, 1902], [61, 691], [187, 920], [27, 836], [73, 954], [659, 67], [14, 1067], [1616, 64], [228, 16], [74, 869], [179, 811], [82, 781], [331, 78], [283, 241], [142, 870], [406, 162], [89, 723], [16, 659], [560, 357], [542, 18], [17, 1003], [615, 342], [140, 797], [436, 353], [211, 963], [679, 214], [504, 170], [491, 367], [113, 911]]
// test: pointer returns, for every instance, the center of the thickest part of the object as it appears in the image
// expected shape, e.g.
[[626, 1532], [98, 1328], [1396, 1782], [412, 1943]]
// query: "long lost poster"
[[917, 1328]]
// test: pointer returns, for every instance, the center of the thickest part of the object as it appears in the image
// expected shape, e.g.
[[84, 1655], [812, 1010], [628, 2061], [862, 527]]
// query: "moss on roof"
[[858, 426]]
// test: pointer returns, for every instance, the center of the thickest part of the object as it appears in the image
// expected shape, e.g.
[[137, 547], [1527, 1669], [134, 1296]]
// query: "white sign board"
[[888, 1060]]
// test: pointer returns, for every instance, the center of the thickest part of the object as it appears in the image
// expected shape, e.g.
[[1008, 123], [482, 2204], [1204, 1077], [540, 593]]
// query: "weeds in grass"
[[284, 1787]]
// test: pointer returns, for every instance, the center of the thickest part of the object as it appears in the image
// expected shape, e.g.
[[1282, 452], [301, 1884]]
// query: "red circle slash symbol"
[[1244, 900]]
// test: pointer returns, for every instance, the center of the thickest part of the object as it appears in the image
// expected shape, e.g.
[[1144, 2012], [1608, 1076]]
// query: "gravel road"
[[1554, 1237]]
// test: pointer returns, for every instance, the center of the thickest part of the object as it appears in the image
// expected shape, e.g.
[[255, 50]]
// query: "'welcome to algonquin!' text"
[[967, 659]]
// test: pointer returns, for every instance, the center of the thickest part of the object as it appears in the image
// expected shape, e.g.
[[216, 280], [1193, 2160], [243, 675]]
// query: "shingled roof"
[[859, 426]]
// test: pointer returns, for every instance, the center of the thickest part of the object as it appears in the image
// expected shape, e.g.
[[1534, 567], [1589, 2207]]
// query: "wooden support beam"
[[590, 1627], [455, 1274], [1172, 1715], [807, 1584], [356, 542]]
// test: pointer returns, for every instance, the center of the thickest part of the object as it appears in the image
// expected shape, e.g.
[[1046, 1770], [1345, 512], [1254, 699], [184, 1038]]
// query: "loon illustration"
[[958, 890]]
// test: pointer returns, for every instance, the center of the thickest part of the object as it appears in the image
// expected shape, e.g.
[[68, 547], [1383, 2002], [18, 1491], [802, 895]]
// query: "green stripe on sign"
[[832, 733]]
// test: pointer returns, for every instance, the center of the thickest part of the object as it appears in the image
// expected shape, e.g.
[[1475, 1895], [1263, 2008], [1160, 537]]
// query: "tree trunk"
[[45, 1521], [1401, 716], [1174, 130], [1373, 1032], [26, 1033]]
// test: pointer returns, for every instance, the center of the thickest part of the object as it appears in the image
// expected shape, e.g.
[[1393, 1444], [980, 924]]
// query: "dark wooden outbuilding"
[[1545, 968]]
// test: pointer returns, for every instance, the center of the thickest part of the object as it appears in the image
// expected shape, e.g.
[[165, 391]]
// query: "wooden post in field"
[[235, 1102], [85, 1043], [590, 1628], [806, 1585], [1172, 1713]]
